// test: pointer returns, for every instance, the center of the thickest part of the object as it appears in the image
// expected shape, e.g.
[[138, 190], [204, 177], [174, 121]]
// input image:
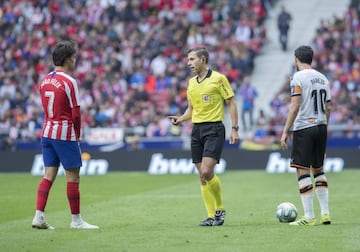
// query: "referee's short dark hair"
[[304, 54], [63, 50], [200, 52]]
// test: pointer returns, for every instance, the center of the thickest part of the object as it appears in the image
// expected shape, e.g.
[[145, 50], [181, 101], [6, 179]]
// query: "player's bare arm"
[[234, 135], [328, 109], [294, 109], [77, 121]]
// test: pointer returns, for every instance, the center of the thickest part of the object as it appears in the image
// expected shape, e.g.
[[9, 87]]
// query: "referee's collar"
[[207, 76]]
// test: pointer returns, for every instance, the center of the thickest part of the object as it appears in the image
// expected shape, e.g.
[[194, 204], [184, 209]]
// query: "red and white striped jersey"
[[59, 95]]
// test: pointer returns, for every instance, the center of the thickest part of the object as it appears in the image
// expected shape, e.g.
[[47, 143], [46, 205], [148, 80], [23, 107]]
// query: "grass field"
[[140, 212]]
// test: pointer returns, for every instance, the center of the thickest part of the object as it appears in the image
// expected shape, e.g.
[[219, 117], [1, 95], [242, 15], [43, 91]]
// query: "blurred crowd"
[[337, 55], [131, 64]]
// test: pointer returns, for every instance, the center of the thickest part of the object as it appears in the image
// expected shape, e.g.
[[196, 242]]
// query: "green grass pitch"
[[140, 212]]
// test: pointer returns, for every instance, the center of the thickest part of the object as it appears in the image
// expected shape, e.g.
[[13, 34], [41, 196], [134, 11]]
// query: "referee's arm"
[[176, 120]]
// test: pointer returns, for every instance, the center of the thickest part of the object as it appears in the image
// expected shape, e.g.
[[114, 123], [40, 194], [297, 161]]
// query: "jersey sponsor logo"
[[90, 167], [278, 164], [311, 120], [159, 165]]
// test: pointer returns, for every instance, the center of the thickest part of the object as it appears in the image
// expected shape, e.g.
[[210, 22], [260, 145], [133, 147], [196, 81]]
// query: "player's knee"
[[207, 175], [317, 171]]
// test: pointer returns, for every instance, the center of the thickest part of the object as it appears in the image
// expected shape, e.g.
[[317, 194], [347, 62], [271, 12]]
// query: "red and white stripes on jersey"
[[62, 130], [59, 95]]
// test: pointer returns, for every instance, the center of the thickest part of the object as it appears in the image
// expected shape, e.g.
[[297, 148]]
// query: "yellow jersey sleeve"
[[225, 87]]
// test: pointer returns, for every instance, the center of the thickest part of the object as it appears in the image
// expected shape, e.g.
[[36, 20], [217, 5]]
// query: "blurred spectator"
[[243, 32], [248, 95], [283, 22]]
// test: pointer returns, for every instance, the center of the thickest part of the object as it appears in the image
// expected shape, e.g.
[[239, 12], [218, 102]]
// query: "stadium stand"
[[336, 44], [131, 67]]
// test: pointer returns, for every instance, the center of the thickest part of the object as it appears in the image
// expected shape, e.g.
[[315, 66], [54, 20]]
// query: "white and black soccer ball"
[[286, 212]]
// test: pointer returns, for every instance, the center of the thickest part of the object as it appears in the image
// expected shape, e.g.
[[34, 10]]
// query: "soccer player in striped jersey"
[[61, 134], [309, 115], [206, 94]]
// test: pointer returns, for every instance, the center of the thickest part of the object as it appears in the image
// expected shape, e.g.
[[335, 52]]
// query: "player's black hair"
[[200, 52], [63, 50], [304, 54]]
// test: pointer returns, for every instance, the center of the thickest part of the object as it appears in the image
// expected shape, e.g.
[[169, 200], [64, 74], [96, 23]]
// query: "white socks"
[[76, 218], [306, 194], [322, 192], [39, 214]]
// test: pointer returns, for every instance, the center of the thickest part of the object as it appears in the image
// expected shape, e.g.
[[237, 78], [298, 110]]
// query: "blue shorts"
[[56, 151]]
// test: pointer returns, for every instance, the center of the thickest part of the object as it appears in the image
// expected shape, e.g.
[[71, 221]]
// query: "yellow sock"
[[209, 200], [215, 187]]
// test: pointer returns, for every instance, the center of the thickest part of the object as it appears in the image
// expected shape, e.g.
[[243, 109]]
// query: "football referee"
[[207, 90]]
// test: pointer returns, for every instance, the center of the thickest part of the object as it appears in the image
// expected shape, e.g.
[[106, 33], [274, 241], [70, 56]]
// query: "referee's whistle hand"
[[174, 120]]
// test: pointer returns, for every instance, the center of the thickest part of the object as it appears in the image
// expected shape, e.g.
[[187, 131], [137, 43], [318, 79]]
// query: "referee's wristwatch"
[[236, 128]]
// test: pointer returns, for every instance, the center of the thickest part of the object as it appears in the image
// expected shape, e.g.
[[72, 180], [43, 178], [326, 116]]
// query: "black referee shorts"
[[309, 146], [207, 140]]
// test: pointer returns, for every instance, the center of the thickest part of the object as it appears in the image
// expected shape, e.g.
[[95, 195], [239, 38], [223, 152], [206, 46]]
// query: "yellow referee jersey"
[[207, 97]]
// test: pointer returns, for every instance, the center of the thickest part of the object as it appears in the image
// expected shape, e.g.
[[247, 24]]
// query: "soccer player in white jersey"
[[60, 135], [309, 115]]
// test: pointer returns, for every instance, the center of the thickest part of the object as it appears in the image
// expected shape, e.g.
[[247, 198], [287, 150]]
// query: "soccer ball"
[[286, 212]]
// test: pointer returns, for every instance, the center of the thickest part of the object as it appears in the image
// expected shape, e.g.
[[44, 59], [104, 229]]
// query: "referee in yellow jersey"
[[206, 94]]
